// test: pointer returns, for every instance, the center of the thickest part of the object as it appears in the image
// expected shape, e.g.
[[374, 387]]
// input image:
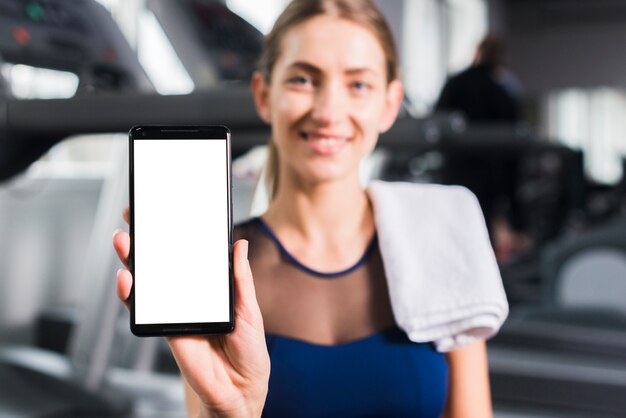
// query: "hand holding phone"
[[227, 373]]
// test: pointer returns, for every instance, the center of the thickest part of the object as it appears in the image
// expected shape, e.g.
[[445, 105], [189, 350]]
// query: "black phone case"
[[181, 132]]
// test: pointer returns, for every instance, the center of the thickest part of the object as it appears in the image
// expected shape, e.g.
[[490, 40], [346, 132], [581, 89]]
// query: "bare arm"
[[469, 395]]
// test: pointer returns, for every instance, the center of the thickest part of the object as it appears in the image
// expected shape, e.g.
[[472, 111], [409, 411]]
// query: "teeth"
[[325, 141]]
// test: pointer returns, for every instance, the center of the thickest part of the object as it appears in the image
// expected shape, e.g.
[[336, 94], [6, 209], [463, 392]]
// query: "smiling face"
[[328, 99]]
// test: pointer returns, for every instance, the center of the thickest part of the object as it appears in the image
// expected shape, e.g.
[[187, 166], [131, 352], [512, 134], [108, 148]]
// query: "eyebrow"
[[316, 70]]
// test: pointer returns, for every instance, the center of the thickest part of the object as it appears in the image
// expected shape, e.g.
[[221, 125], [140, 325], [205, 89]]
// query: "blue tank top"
[[382, 375]]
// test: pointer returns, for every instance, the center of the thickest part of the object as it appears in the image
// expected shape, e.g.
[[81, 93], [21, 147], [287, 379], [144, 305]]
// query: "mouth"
[[324, 143]]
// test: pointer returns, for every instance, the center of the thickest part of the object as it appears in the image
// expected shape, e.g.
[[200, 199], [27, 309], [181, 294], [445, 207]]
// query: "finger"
[[121, 243], [126, 215], [247, 304], [124, 284]]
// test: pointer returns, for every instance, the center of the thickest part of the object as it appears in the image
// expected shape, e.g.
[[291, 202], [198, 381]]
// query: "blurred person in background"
[[488, 92]]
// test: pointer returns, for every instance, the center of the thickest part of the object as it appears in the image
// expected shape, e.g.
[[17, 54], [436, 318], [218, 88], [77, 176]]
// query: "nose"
[[330, 104]]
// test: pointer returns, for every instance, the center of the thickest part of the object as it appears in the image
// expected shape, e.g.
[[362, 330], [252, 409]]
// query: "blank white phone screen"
[[181, 231]]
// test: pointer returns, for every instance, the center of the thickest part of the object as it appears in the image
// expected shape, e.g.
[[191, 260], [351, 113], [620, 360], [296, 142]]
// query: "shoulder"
[[426, 194], [262, 248], [439, 206], [246, 229], [464, 75]]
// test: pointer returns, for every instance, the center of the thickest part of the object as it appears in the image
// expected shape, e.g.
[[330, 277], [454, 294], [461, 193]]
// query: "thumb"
[[245, 294]]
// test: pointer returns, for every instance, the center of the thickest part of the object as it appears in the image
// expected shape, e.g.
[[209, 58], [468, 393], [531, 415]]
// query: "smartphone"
[[181, 230]]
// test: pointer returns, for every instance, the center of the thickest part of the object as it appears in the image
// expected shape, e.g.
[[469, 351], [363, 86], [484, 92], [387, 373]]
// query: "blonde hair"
[[362, 12]]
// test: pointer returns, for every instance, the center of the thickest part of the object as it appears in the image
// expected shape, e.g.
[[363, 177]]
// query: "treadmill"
[[114, 94]]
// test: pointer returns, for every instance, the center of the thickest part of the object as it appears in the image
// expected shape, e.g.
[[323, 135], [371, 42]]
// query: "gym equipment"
[[81, 38], [22, 141], [568, 353], [214, 44]]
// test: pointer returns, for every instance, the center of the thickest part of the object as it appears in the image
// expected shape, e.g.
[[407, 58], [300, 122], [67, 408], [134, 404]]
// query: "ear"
[[260, 92], [395, 94]]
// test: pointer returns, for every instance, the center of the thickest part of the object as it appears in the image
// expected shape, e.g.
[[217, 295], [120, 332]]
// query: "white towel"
[[443, 279]]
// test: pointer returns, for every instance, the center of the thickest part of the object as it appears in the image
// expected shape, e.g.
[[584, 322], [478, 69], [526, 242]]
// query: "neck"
[[318, 211]]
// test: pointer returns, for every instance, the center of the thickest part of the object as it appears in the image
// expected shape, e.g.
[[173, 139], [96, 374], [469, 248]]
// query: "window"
[[591, 120]]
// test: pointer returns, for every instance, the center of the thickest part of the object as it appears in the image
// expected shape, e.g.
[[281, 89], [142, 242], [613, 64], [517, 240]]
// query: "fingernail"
[[118, 272], [116, 231]]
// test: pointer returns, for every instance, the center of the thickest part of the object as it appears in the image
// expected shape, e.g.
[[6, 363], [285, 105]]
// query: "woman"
[[319, 303]]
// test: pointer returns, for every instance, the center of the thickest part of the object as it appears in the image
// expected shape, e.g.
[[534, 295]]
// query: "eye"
[[299, 80], [360, 86]]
